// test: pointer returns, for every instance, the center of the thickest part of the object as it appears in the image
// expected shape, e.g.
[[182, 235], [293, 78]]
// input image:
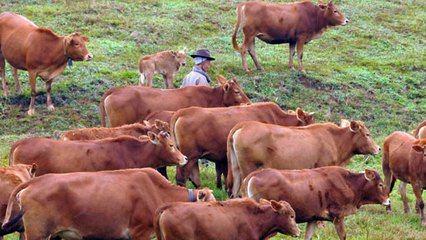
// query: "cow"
[[231, 219], [39, 51], [321, 194], [116, 204], [11, 177], [404, 158], [420, 131], [166, 63], [202, 132], [56, 156], [253, 145], [130, 104], [134, 130], [294, 23]]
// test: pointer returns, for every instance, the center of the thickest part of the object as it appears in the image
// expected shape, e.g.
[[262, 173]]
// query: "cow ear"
[[263, 201], [354, 126], [344, 123], [235, 80], [369, 175], [221, 79], [300, 114], [201, 196], [226, 87], [323, 6], [418, 148], [276, 206], [153, 137], [33, 170], [86, 39]]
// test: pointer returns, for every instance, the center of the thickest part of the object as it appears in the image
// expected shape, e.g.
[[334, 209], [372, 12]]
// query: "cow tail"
[[13, 199], [12, 150], [142, 78], [173, 130], [237, 26], [157, 227], [102, 107], [233, 179]]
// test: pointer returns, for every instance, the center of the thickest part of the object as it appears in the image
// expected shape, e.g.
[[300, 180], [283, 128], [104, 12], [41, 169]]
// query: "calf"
[[134, 130], [11, 177], [166, 63], [404, 158], [39, 51], [233, 219], [321, 194], [202, 132], [99, 205], [293, 23], [55, 156], [125, 105], [420, 131], [253, 145]]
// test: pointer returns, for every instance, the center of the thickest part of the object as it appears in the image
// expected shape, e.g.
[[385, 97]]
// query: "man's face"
[[206, 65]]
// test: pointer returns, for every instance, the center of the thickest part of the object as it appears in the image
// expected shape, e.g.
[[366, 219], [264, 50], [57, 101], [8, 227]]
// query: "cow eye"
[[292, 216], [380, 185], [335, 11]]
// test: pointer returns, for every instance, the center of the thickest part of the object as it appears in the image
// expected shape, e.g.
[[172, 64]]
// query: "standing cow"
[[253, 145], [320, 194], [404, 158], [294, 23], [95, 205], [166, 63], [39, 51]]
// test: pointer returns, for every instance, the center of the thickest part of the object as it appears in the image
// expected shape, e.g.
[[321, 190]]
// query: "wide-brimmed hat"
[[204, 53]]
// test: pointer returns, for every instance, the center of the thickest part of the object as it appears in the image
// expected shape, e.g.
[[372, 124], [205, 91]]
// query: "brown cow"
[[55, 156], [242, 219], [125, 105], [253, 145], [166, 63], [404, 158], [420, 131], [99, 205], [202, 132], [39, 51], [293, 23], [321, 194], [11, 177], [134, 130]]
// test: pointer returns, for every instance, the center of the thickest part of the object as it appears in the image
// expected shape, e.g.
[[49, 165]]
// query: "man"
[[198, 75]]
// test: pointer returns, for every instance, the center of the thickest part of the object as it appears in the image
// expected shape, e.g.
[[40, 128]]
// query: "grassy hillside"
[[373, 69]]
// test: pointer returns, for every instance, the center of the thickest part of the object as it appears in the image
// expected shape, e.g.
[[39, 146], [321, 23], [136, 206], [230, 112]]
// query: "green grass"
[[373, 69]]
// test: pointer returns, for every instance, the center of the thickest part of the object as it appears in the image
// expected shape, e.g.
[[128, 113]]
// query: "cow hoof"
[[30, 112], [51, 108]]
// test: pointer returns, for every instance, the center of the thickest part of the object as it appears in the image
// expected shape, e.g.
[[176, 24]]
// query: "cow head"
[[304, 118], [180, 57], [373, 190], [168, 153], [233, 94], [332, 15], [75, 47], [285, 217], [205, 195], [362, 141]]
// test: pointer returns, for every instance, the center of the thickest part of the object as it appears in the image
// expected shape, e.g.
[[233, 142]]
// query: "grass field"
[[373, 69]]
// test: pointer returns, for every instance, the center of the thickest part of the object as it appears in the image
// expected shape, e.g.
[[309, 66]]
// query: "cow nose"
[[185, 161], [183, 64], [89, 57], [346, 21]]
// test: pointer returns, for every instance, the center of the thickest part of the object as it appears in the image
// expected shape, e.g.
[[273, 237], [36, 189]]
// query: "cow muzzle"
[[183, 161], [88, 57], [346, 21], [387, 202]]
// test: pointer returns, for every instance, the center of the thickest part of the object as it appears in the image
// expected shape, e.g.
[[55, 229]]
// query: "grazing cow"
[[125, 105], [166, 63], [242, 219], [165, 116], [39, 51], [420, 131], [254, 145], [134, 130], [321, 194], [11, 177], [96, 205], [404, 158], [202, 132], [55, 156], [293, 23]]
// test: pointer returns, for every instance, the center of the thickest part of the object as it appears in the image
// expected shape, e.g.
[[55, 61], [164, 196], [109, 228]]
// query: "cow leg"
[[148, 77], [339, 225], [391, 185], [417, 189], [168, 80], [33, 76], [403, 192], [15, 77], [3, 75], [292, 47], [248, 41], [218, 167], [163, 171], [252, 53], [310, 228], [49, 103], [300, 44]]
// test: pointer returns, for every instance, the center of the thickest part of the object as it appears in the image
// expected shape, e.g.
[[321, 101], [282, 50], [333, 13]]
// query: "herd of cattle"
[[280, 166]]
